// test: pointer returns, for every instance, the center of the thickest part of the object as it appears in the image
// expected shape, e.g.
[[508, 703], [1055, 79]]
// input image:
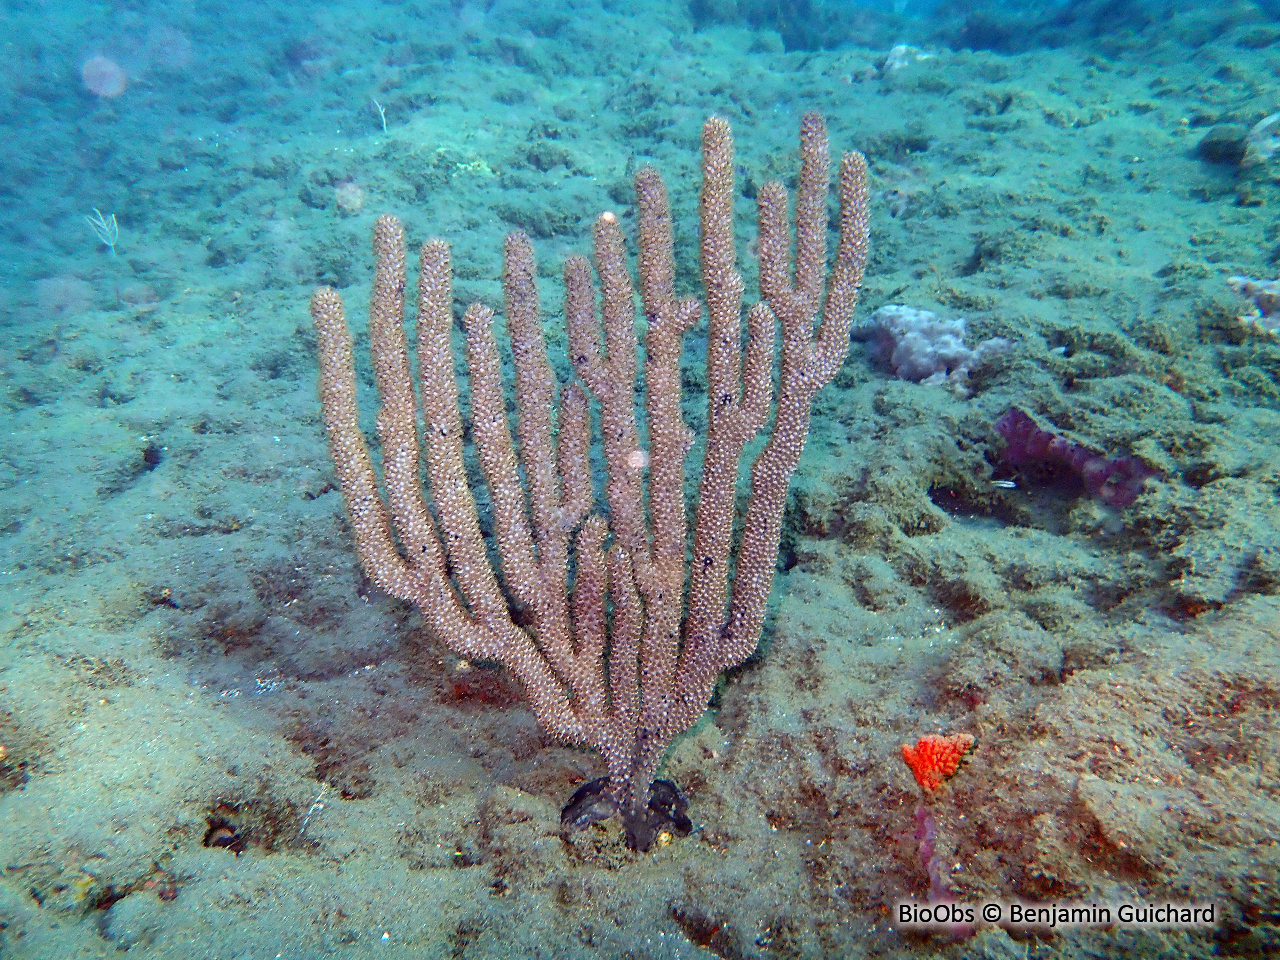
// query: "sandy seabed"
[[218, 740]]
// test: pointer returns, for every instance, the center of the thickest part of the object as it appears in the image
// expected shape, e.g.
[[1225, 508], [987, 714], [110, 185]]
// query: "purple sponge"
[[1114, 482]]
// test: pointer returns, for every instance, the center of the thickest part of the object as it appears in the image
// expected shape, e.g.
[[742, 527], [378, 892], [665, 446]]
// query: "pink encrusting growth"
[[1116, 483], [926, 835]]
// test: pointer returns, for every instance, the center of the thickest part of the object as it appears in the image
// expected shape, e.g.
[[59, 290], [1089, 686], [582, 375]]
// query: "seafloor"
[[218, 740]]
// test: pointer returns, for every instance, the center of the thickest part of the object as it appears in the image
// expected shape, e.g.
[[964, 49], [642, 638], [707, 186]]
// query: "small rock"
[[1226, 143]]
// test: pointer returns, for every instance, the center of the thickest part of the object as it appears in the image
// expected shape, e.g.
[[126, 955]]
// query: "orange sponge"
[[935, 758]]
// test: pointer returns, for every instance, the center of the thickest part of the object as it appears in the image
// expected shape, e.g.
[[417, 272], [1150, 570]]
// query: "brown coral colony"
[[623, 653]]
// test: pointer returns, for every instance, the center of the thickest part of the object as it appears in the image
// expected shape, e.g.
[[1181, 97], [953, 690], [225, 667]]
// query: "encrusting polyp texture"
[[621, 631], [933, 758]]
